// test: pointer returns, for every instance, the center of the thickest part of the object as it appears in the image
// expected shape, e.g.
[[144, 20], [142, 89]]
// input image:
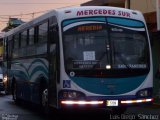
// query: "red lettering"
[[109, 12], [82, 28], [89, 28], [119, 13], [95, 12], [86, 12], [105, 12], [90, 12], [113, 12], [124, 14], [100, 11], [128, 15], [79, 13]]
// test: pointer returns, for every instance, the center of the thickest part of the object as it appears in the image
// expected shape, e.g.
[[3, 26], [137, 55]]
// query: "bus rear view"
[[107, 58]]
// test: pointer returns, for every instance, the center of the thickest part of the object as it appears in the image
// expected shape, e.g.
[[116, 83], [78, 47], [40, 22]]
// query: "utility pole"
[[158, 14], [127, 4]]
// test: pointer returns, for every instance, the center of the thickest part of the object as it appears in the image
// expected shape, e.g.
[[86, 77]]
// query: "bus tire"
[[6, 92], [14, 92], [44, 101]]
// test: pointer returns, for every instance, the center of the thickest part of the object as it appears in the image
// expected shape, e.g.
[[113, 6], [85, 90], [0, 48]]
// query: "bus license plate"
[[112, 102]]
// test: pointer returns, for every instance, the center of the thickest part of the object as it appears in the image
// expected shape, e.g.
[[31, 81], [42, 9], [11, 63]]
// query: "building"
[[12, 23]]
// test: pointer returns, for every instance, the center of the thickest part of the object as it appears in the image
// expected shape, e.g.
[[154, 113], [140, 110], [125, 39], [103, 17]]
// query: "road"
[[10, 111]]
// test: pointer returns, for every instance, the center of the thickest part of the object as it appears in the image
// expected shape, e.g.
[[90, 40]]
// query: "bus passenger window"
[[43, 30], [24, 39], [31, 36], [16, 41]]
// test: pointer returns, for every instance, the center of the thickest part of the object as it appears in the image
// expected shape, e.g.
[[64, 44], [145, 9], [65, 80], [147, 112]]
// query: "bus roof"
[[86, 11], [82, 11]]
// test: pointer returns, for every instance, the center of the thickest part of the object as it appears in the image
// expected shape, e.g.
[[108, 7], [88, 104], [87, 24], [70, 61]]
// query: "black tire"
[[6, 92], [44, 99], [14, 92]]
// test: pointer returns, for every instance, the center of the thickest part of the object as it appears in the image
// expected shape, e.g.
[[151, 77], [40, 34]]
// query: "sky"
[[23, 9]]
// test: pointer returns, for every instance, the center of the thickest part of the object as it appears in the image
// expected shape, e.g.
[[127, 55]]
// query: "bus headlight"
[[69, 94], [5, 79], [144, 93]]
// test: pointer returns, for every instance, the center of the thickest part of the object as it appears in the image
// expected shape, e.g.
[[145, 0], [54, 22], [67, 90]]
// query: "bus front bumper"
[[105, 103]]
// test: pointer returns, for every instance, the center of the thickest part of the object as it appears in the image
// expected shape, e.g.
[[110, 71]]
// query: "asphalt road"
[[10, 111]]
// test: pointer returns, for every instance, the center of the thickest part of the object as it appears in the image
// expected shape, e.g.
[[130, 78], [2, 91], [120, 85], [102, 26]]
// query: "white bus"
[[81, 57]]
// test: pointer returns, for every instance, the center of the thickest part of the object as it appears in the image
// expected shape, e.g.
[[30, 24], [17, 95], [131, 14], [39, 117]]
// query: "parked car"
[[3, 82]]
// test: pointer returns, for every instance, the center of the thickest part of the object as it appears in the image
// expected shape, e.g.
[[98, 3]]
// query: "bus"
[[81, 57]]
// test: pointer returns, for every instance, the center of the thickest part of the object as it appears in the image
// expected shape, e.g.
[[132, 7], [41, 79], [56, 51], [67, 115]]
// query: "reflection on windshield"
[[128, 49]]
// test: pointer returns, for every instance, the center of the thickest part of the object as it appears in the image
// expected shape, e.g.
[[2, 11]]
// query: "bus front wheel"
[[14, 92], [44, 101]]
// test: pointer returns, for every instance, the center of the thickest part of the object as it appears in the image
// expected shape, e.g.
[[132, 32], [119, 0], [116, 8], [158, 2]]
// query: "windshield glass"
[[86, 49], [128, 49], [128, 44], [105, 44]]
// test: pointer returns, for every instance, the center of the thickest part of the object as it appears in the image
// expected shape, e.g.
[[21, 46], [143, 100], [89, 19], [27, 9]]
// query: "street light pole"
[[127, 4], [158, 14]]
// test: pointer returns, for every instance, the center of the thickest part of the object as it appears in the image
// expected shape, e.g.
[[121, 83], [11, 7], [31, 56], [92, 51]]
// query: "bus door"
[[53, 65]]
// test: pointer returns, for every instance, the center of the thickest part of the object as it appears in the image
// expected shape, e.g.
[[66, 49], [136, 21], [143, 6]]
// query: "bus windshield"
[[105, 44], [129, 49]]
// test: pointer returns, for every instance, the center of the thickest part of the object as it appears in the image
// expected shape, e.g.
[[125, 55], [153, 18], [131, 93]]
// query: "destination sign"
[[89, 28]]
